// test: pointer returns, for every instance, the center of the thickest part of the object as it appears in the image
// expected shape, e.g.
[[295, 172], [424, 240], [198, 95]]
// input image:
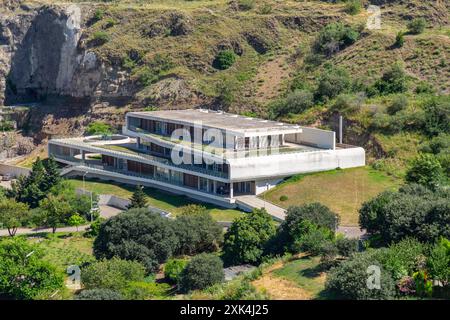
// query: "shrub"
[[138, 199], [99, 128], [99, 14], [437, 115], [112, 274], [349, 280], [24, 275], [246, 5], [137, 234], [100, 37], [265, 8], [393, 80], [424, 87], [196, 231], [424, 286], [284, 198], [399, 39], [316, 213], [438, 261], [99, 294], [311, 238], [332, 82], [399, 103], [247, 236], [417, 26], [334, 37], [173, 269], [410, 212], [346, 247], [353, 7], [201, 272], [224, 59], [425, 170], [298, 101], [145, 290]]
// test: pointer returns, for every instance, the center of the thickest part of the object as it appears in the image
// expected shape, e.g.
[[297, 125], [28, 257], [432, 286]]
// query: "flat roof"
[[220, 120]]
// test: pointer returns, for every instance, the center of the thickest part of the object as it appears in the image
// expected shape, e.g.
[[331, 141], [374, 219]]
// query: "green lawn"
[[157, 198], [343, 191], [306, 274], [65, 249]]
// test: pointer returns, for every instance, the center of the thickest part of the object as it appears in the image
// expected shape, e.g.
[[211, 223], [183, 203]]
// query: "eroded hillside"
[[86, 60]]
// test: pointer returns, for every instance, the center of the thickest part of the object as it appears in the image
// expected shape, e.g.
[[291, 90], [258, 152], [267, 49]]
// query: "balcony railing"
[[154, 177]]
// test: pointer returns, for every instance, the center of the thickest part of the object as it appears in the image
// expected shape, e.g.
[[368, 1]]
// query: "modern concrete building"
[[208, 155]]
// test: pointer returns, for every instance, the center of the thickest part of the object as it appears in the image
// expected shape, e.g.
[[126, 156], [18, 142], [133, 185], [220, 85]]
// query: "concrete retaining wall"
[[315, 137], [14, 171]]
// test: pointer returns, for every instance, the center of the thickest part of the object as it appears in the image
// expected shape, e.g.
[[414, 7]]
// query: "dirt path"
[[278, 288]]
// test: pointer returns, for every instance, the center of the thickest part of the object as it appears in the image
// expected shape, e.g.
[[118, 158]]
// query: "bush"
[[316, 213], [332, 82], [413, 211], [114, 274], [173, 269], [100, 37], [99, 294], [204, 270], [137, 234], [393, 80], [298, 101], [311, 238], [246, 5], [196, 231], [224, 59], [399, 103], [399, 39], [247, 237], [438, 261], [349, 279], [425, 170], [284, 198], [24, 275], [437, 115], [146, 290], [334, 37], [346, 247], [99, 128], [353, 7], [417, 26]]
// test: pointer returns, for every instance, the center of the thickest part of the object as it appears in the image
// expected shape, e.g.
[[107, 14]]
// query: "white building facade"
[[207, 155]]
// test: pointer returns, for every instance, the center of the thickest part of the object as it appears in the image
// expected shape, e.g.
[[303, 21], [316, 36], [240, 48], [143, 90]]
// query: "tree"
[[13, 215], [138, 199], [196, 231], [98, 294], [114, 274], [137, 234], [413, 211], [203, 271], [33, 188], [52, 176], [399, 103], [425, 170], [247, 237], [417, 25], [437, 115], [54, 212], [349, 279], [76, 220], [24, 274]]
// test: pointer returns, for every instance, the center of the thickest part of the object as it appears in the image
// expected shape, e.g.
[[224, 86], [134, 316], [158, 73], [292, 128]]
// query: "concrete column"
[[231, 189], [207, 185], [215, 186], [198, 183], [83, 155]]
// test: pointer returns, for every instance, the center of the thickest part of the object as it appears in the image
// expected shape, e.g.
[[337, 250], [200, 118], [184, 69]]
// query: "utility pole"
[[340, 129]]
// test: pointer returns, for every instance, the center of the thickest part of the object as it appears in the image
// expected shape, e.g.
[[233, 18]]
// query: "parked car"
[[6, 177]]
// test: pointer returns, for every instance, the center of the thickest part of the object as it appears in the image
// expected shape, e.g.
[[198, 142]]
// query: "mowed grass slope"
[[163, 200], [343, 191]]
